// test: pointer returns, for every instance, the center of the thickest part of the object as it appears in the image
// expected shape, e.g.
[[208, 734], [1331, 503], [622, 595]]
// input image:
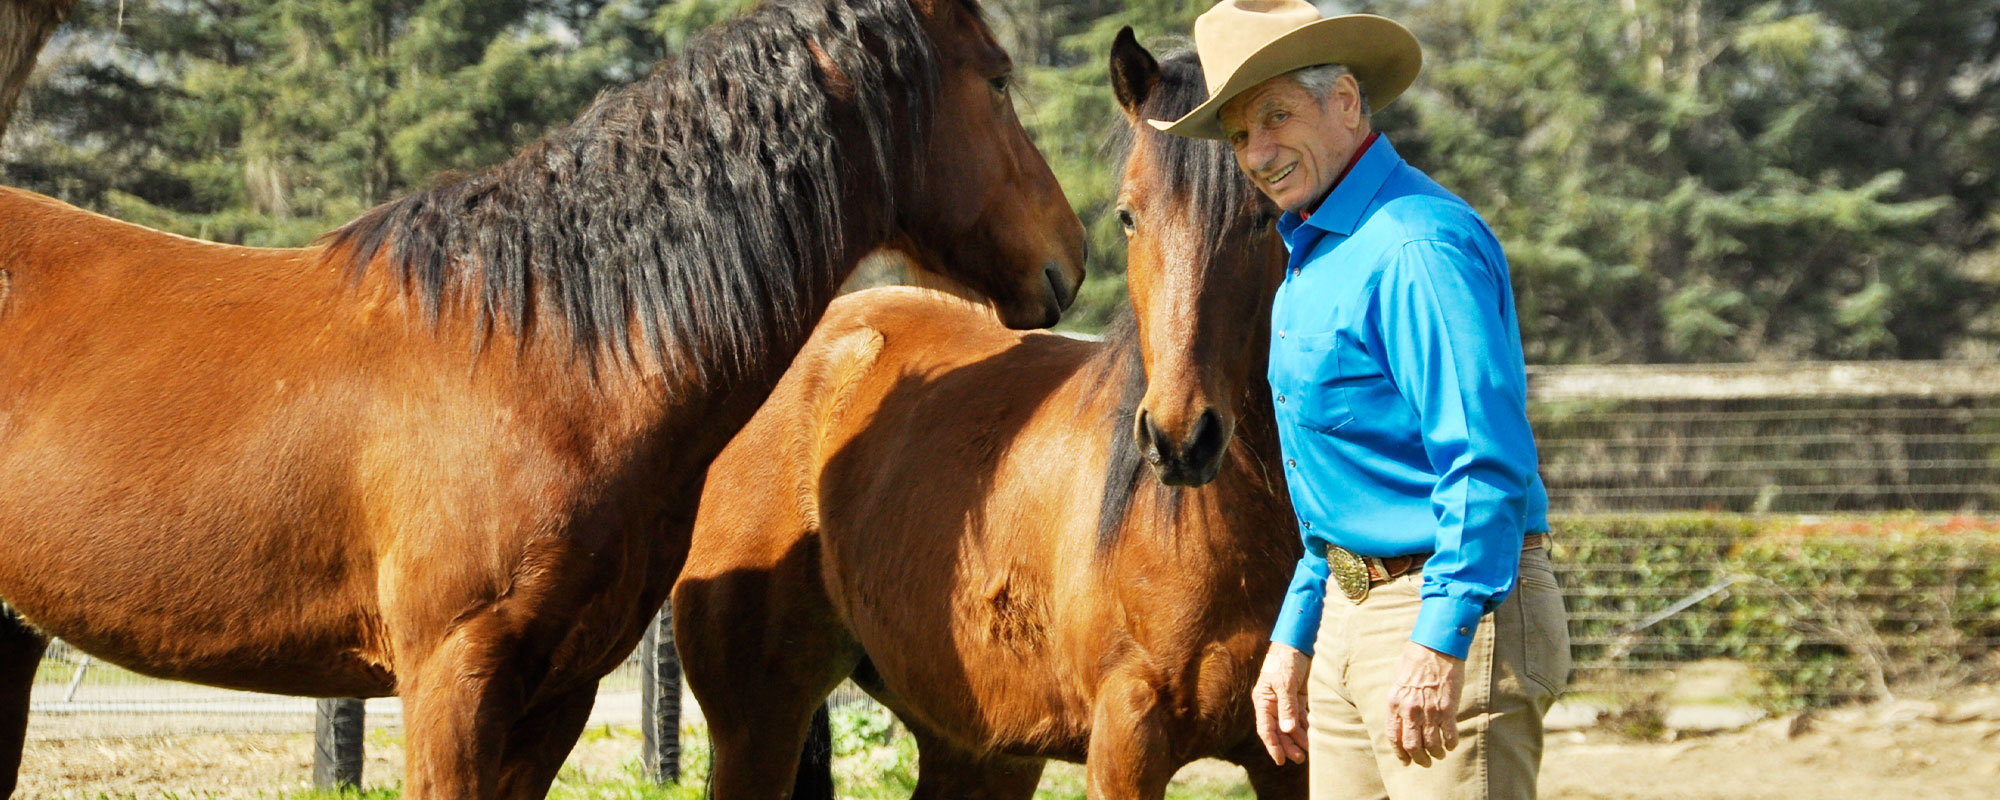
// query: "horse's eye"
[[1002, 82], [1126, 221]]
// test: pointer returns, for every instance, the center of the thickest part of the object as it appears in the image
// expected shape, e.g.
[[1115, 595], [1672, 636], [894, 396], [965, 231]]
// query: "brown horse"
[[958, 516], [454, 452]]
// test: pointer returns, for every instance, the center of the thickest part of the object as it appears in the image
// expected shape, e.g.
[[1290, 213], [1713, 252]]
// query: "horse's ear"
[[1134, 73]]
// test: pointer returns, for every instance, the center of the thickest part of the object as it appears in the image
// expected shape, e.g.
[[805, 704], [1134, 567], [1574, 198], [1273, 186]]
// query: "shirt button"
[[1281, 399], [1464, 631], [1309, 525], [1295, 271], [1291, 462], [1281, 334]]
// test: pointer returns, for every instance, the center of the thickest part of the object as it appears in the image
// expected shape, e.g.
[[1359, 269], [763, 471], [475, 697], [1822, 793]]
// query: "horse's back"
[[41, 233]]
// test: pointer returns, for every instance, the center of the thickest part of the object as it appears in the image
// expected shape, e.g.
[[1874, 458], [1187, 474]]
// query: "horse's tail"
[[815, 779]]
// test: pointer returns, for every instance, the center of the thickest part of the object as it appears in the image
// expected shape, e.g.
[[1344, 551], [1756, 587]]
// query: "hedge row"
[[1826, 610]]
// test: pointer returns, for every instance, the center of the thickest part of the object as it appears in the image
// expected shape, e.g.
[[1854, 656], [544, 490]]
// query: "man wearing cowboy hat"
[[1397, 378]]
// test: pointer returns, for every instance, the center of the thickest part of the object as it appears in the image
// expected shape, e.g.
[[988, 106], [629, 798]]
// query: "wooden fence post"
[[337, 747], [660, 700]]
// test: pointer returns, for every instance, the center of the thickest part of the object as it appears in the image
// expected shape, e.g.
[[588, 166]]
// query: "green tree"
[[268, 123], [1674, 180], [1683, 180]]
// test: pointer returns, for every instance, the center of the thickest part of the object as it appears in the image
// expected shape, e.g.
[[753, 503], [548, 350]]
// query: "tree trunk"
[[25, 25]]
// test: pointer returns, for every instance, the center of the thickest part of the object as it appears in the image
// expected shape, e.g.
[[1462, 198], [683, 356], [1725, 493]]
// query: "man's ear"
[[1134, 73], [1347, 100]]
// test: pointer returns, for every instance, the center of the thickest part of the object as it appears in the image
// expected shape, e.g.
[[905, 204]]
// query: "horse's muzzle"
[[1191, 463]]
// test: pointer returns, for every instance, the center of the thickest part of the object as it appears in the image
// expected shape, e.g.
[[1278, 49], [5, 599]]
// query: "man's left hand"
[[1423, 704]]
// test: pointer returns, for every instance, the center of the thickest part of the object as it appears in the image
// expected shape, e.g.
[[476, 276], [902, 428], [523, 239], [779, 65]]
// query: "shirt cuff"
[[1305, 600], [1446, 624]]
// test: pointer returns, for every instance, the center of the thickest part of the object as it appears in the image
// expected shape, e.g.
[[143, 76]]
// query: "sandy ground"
[[1907, 751], [1940, 750]]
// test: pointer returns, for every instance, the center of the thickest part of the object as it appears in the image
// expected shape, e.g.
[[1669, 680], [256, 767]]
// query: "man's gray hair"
[[1319, 79]]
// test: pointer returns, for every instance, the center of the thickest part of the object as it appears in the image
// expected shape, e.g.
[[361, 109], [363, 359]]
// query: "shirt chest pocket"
[[1313, 377]]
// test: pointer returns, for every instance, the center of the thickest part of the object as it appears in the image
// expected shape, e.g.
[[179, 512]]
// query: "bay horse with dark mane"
[[959, 516], [453, 451]]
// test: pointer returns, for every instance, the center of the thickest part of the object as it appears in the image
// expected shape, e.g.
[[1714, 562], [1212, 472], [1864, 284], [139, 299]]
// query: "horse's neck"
[[1256, 421]]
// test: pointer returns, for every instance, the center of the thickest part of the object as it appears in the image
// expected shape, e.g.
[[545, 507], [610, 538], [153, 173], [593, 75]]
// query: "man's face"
[[1292, 146]]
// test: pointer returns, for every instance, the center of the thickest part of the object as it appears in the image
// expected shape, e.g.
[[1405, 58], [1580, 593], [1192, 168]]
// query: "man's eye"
[[1279, 116]]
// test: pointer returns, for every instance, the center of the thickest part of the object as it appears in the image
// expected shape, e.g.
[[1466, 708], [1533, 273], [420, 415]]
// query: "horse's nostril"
[[1208, 438], [1147, 437], [1059, 286]]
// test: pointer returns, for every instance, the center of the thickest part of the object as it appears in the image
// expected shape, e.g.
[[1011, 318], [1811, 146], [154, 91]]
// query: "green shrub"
[[1826, 610]]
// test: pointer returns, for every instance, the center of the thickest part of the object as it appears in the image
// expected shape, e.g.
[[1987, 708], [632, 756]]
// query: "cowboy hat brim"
[[1383, 55]]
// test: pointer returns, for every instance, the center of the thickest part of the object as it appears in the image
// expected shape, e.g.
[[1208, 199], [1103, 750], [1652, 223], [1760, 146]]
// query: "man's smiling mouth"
[[1281, 175]]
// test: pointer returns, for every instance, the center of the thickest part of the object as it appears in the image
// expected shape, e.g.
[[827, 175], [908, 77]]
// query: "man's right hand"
[[1280, 698]]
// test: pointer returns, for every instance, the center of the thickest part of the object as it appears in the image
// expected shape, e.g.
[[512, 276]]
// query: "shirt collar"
[[1348, 202]]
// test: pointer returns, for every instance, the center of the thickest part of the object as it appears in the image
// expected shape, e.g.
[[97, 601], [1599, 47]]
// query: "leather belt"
[[1356, 574]]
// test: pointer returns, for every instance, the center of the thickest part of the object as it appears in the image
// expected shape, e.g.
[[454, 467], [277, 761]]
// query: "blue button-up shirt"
[[1401, 398]]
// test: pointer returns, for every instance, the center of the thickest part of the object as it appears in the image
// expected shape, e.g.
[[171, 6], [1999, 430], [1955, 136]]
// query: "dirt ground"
[[1909, 751], [1939, 750]]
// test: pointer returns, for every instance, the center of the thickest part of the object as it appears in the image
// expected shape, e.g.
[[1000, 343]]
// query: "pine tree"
[[269, 123], [1704, 180]]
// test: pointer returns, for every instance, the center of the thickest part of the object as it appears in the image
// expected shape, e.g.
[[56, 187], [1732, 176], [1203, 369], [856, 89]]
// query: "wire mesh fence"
[[79, 697], [1817, 613], [1855, 615], [1792, 438]]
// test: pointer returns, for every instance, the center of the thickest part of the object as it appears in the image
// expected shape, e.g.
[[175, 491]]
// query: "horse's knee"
[[1124, 701], [1131, 748]]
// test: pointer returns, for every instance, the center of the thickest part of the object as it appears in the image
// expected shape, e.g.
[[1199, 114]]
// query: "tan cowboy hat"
[[1243, 43]]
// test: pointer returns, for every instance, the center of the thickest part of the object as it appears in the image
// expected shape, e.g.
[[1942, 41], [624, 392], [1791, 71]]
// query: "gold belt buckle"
[[1349, 571]]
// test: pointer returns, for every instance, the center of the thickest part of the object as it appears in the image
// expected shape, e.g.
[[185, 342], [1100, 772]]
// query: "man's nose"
[[1259, 152]]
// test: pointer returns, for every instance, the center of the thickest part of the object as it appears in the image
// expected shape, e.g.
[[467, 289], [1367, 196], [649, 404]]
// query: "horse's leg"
[[20, 653], [815, 778], [1130, 754], [761, 651], [1268, 779], [541, 741], [757, 752], [946, 772], [460, 706]]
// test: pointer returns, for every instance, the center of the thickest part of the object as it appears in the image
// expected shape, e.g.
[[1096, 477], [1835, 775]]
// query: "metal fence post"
[[660, 700], [337, 748]]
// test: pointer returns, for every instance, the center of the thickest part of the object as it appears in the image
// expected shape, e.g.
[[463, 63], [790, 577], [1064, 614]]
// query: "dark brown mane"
[[703, 203]]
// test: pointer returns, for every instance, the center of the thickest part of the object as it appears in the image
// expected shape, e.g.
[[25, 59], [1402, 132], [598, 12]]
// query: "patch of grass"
[[628, 782], [377, 793], [875, 758]]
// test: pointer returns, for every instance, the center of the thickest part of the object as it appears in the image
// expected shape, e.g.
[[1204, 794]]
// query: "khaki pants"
[[1518, 663]]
